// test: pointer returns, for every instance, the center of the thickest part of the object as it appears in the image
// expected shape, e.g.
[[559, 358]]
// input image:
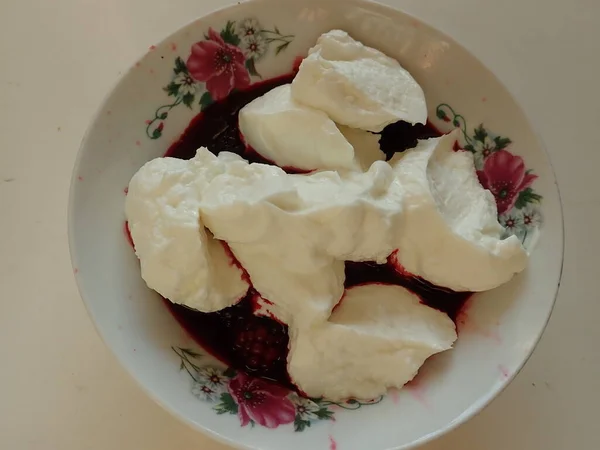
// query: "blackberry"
[[226, 139], [261, 344], [400, 136], [232, 316]]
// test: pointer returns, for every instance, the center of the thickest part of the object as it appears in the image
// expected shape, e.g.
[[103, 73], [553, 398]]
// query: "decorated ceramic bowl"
[[242, 45]]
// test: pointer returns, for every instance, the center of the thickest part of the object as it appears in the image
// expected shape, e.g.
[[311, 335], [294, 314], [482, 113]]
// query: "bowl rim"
[[477, 406]]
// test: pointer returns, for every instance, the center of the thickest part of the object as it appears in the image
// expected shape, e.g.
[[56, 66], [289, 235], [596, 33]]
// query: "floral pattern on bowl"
[[254, 400], [132, 320], [503, 173], [222, 62]]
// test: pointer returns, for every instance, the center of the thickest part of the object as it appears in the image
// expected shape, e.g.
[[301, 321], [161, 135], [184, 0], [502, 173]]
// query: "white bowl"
[[139, 120]]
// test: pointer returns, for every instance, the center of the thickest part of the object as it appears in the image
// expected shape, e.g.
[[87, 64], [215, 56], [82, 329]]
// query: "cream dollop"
[[356, 85], [378, 337], [178, 258], [451, 235], [293, 135], [292, 233]]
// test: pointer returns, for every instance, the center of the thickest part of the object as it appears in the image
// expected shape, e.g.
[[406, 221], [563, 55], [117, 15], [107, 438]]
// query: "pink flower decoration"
[[263, 402], [505, 176], [220, 65]]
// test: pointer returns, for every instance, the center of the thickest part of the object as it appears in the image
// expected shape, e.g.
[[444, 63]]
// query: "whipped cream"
[[378, 337], [178, 258], [292, 233], [257, 210], [427, 203], [365, 144], [294, 135], [356, 85], [450, 234]]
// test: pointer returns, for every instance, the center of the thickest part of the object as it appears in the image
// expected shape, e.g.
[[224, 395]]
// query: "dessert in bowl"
[[329, 201]]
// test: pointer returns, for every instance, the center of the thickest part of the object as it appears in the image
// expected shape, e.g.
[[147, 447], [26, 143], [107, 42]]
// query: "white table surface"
[[60, 387]]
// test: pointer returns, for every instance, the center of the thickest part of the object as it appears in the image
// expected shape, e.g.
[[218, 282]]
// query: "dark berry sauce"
[[259, 345], [442, 299], [217, 127], [234, 335]]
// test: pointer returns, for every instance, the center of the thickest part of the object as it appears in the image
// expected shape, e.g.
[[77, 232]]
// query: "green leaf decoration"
[[521, 201], [188, 99], [190, 352], [441, 114], [277, 30], [480, 133], [282, 47], [228, 34], [205, 100], [221, 409], [534, 198], [163, 116], [300, 424], [251, 66], [172, 89], [324, 414], [527, 196], [470, 148], [227, 405], [180, 66], [229, 372], [501, 142], [156, 134]]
